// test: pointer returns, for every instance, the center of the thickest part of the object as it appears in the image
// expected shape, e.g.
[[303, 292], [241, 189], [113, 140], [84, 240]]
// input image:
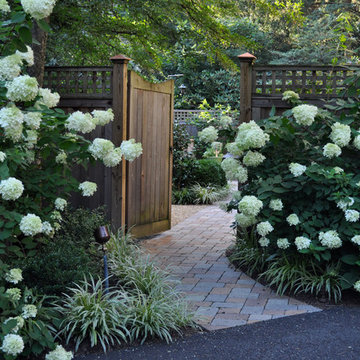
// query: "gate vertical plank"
[[119, 133]]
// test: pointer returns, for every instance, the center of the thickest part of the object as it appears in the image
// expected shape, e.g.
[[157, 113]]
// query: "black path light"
[[182, 88], [102, 236]]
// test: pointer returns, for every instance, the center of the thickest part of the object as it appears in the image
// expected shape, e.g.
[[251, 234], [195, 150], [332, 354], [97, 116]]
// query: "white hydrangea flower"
[[131, 150], [237, 195], [59, 354], [102, 117], [302, 242], [48, 98], [27, 56], [22, 88], [61, 157], [2, 156], [225, 121], [234, 171], [216, 146], [276, 205], [356, 239], [305, 114], [234, 149], [340, 134], [357, 286], [290, 96], [297, 169], [113, 158], [88, 188], [283, 243], [245, 221], [38, 9], [29, 311], [33, 120], [331, 150], [253, 158], [208, 135], [4, 6], [251, 136], [47, 229], [352, 215], [264, 228], [357, 142], [293, 220], [11, 188], [14, 276], [14, 294], [264, 241], [19, 323], [250, 205], [60, 204], [330, 239], [12, 344], [345, 203], [100, 148], [31, 225], [10, 67], [80, 122], [338, 170], [31, 138], [11, 119]]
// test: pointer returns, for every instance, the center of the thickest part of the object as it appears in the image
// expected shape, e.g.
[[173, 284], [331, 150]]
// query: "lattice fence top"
[[80, 82], [312, 81], [184, 116]]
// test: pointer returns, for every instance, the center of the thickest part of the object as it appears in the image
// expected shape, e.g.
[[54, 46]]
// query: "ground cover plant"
[[142, 303], [298, 209]]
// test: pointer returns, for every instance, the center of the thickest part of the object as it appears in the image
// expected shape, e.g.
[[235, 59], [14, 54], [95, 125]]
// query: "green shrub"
[[209, 173], [72, 253], [183, 196], [301, 194]]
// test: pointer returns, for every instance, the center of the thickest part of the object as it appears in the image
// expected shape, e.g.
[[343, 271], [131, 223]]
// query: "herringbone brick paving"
[[221, 296]]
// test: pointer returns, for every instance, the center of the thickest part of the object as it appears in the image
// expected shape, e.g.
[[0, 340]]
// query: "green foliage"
[[209, 173], [324, 195], [90, 313], [298, 274], [143, 304], [156, 308], [35, 331], [70, 255]]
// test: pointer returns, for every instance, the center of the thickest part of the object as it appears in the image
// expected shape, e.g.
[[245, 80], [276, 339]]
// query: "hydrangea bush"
[[40, 144], [215, 128], [26, 323], [300, 198]]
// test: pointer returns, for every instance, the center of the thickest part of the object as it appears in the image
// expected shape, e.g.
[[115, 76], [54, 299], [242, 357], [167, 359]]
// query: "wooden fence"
[[101, 88], [261, 87]]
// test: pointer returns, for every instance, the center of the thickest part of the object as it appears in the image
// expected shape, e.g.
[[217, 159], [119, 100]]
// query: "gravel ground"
[[181, 212]]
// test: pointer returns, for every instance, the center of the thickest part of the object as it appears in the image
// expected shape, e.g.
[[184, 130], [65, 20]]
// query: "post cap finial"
[[247, 57], [120, 58]]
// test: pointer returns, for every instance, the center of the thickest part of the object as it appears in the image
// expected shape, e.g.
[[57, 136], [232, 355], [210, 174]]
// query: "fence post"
[[246, 62], [119, 133]]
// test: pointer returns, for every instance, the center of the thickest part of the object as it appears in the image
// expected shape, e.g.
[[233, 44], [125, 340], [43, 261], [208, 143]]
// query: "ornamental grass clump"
[[302, 200]]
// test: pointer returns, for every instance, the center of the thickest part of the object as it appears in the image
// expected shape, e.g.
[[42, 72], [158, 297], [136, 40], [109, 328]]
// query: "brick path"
[[222, 297]]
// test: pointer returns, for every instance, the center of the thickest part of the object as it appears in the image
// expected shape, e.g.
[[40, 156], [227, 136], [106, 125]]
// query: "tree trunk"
[[37, 70]]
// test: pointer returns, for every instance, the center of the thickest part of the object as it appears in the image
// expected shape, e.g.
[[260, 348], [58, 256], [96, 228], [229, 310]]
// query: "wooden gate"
[[148, 185], [136, 194]]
